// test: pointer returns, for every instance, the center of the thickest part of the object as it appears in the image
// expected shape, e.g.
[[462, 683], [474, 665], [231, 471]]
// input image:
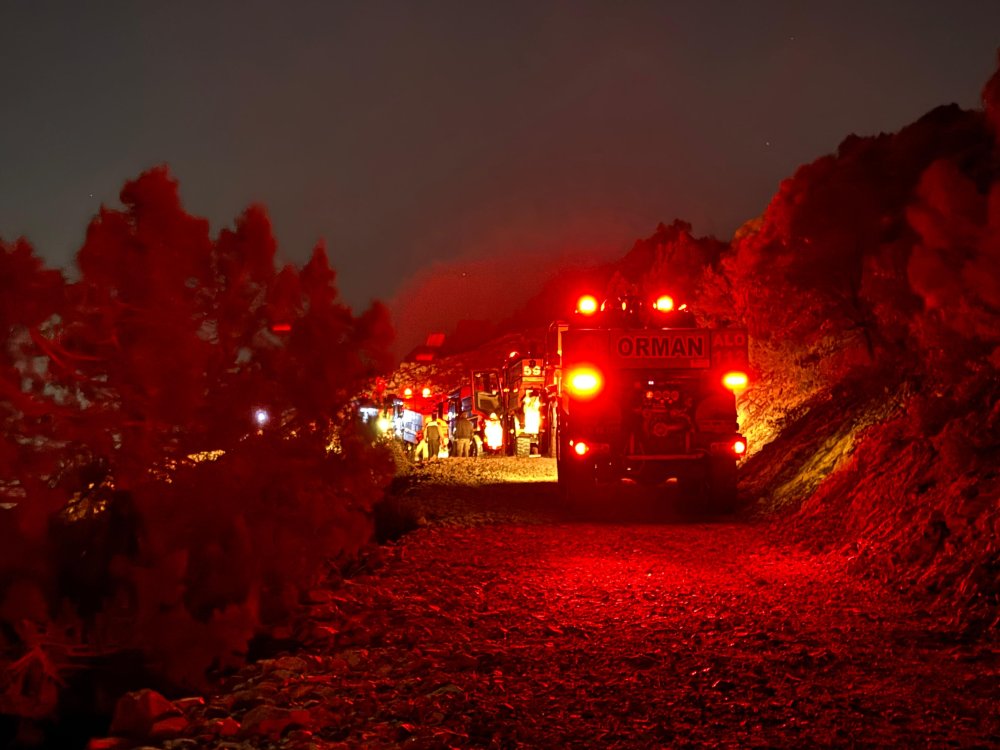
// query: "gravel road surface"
[[510, 618]]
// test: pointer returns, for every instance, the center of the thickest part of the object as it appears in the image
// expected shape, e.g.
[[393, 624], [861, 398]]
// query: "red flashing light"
[[580, 448], [735, 380], [584, 382], [426, 393], [740, 447], [586, 305], [407, 393], [664, 303], [281, 327], [513, 354]]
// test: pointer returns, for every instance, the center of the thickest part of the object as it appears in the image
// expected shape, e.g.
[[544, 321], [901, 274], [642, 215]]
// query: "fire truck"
[[525, 429], [406, 413], [477, 399], [493, 400], [642, 392], [407, 423], [515, 392]]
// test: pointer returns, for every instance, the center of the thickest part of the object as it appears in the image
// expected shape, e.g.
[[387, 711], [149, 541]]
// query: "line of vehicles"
[[504, 404], [627, 388]]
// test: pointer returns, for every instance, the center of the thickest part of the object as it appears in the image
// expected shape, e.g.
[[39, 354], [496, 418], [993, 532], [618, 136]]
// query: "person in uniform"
[[443, 431], [432, 435], [463, 436]]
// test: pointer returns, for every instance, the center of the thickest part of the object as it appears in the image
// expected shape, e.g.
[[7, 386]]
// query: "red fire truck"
[[515, 393], [525, 428], [475, 399], [407, 412], [641, 391]]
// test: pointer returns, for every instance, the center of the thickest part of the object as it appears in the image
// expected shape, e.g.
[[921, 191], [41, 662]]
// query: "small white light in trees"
[[261, 417]]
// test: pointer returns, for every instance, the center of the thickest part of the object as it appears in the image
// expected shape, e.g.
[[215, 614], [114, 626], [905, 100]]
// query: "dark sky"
[[471, 135]]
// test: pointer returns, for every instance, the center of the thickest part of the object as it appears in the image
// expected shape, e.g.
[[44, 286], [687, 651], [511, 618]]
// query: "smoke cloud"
[[491, 289]]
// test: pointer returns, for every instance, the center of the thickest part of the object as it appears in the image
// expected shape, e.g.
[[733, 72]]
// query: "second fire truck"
[[510, 402]]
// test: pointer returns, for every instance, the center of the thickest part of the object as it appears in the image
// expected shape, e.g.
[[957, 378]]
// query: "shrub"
[[150, 512]]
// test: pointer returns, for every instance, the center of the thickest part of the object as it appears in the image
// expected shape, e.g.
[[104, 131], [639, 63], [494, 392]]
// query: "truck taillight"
[[735, 380], [739, 447], [586, 305], [580, 448], [584, 382]]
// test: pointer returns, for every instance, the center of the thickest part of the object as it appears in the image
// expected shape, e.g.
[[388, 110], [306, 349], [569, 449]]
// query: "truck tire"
[[562, 474], [576, 477], [720, 494], [551, 441], [523, 447]]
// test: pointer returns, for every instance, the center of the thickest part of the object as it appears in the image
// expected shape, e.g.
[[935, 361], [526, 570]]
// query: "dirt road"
[[510, 619]]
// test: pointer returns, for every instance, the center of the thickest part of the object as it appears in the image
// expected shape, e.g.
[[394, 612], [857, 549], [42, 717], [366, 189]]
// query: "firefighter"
[[432, 435], [420, 451], [443, 430], [463, 436], [476, 448]]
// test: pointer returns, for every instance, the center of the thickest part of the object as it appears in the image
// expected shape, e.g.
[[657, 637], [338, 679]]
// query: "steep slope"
[[870, 286]]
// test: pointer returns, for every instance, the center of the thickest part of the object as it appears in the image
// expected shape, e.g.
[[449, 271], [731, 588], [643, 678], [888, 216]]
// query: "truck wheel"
[[562, 475], [551, 441], [523, 447], [720, 487], [575, 478]]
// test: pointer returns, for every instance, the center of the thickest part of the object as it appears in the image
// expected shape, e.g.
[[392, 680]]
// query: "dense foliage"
[[146, 509], [871, 284]]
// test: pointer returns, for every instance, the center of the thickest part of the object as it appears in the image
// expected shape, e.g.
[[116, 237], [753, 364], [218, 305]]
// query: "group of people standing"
[[434, 441]]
